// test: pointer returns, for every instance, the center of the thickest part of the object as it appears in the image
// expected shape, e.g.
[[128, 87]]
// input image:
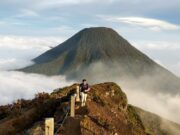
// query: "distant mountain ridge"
[[101, 52]]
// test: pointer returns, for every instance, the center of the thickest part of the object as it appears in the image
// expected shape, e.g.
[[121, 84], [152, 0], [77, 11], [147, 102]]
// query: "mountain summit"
[[107, 112], [101, 53], [86, 47]]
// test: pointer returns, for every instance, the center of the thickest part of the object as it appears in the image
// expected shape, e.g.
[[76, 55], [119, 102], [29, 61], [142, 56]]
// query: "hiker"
[[84, 88]]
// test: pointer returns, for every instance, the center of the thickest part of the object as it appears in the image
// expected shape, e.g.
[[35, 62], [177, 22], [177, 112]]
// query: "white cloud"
[[64, 2], [8, 22], [17, 51], [13, 63], [151, 23], [64, 29], [25, 42], [48, 4], [157, 45], [165, 53], [175, 68], [87, 25], [16, 85], [159, 62], [27, 13], [163, 46], [162, 104]]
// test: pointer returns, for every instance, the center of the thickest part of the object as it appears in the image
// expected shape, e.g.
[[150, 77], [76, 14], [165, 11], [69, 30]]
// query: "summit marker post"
[[49, 126], [77, 93], [72, 105]]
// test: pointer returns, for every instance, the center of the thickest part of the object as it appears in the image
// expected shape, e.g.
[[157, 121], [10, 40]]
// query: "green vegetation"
[[133, 117], [23, 114], [107, 112], [97, 99]]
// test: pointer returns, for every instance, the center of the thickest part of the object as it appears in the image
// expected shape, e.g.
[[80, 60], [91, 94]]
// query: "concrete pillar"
[[72, 104], [77, 94], [49, 126]]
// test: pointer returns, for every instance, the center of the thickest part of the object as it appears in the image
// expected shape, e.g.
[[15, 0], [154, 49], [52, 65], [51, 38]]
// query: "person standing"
[[84, 88]]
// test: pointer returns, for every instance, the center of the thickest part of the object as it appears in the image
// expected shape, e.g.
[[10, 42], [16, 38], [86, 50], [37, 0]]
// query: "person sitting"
[[84, 88]]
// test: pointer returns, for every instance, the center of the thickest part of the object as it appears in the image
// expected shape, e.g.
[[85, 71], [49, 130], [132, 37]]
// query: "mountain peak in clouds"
[[90, 45], [100, 53]]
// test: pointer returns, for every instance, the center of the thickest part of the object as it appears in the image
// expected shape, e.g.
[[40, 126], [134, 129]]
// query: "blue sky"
[[150, 25]]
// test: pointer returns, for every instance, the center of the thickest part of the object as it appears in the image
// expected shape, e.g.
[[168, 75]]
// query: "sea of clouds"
[[17, 52]]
